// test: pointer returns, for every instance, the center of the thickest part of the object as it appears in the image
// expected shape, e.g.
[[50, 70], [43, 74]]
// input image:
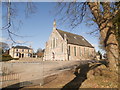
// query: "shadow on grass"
[[81, 75]]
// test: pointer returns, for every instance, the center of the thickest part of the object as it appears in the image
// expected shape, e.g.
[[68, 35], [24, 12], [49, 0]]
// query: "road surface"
[[37, 70]]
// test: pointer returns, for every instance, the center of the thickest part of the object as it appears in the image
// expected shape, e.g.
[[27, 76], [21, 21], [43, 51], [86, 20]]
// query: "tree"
[[39, 50], [10, 15], [101, 13], [99, 53], [116, 22], [4, 47]]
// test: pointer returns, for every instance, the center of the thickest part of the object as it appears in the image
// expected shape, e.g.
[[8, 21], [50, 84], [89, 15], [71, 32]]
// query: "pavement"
[[36, 69]]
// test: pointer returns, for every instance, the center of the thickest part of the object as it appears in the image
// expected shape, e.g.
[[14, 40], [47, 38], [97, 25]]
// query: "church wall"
[[82, 52], [57, 50]]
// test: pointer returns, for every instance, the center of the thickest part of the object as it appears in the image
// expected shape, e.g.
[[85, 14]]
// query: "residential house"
[[21, 51]]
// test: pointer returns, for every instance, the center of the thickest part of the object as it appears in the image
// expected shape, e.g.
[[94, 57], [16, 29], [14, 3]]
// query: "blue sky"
[[37, 27]]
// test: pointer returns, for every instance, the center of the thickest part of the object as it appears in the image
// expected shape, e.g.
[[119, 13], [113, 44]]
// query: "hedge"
[[5, 57]]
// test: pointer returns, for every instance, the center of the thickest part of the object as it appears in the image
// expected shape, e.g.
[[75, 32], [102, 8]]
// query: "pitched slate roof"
[[74, 39], [21, 47]]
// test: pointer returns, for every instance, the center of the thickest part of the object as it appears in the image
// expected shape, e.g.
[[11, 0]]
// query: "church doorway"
[[53, 55]]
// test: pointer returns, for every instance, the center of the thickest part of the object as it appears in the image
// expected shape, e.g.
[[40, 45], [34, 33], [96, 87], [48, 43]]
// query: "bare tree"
[[4, 46], [39, 50], [102, 14], [11, 14]]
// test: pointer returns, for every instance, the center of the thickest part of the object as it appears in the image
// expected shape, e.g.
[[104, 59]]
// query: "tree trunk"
[[106, 31], [110, 43]]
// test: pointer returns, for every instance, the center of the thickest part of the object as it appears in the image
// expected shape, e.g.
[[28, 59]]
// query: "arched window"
[[84, 51], [69, 50], [75, 51], [62, 47], [79, 51], [53, 42]]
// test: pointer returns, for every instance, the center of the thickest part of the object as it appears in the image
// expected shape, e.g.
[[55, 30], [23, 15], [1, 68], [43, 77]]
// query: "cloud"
[[24, 42], [20, 41]]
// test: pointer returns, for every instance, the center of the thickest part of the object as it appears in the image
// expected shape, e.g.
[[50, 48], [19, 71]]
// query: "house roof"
[[21, 47], [74, 39]]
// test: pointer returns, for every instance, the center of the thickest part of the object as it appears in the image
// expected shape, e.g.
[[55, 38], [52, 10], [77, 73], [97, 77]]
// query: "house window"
[[75, 51], [22, 50], [29, 55], [28, 50], [16, 49]]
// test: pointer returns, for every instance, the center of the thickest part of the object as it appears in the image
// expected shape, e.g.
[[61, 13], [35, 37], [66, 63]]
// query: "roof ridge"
[[68, 32]]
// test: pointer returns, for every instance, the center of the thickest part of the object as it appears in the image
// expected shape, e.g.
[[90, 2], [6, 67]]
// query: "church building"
[[67, 46]]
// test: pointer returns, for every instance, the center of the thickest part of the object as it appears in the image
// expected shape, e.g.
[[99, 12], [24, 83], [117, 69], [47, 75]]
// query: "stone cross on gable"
[[54, 24]]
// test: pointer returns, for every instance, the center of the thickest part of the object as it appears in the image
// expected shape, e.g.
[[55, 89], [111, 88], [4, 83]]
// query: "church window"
[[56, 41], [88, 52], [53, 42], [75, 51], [62, 47], [69, 50], [84, 51], [79, 51]]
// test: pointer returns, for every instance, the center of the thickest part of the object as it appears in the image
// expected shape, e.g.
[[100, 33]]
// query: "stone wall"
[[56, 47]]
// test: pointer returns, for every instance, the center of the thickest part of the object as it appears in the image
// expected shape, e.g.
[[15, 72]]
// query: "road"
[[38, 70]]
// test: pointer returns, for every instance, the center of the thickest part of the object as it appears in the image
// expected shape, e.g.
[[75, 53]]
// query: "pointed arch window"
[[75, 51]]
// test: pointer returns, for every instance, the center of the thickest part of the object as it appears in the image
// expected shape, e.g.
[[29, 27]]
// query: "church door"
[[53, 55]]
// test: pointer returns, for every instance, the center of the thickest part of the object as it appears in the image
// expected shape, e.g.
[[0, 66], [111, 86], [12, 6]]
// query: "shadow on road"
[[15, 86], [18, 85]]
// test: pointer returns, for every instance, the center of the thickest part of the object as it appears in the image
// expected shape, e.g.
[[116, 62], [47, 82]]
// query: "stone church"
[[67, 46]]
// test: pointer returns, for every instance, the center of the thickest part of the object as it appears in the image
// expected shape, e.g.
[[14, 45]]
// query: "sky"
[[36, 29]]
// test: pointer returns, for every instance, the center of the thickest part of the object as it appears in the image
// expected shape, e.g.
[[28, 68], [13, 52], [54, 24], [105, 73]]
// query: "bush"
[[15, 58], [6, 57]]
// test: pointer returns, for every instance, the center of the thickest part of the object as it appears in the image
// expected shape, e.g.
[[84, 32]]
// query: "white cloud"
[[20, 41]]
